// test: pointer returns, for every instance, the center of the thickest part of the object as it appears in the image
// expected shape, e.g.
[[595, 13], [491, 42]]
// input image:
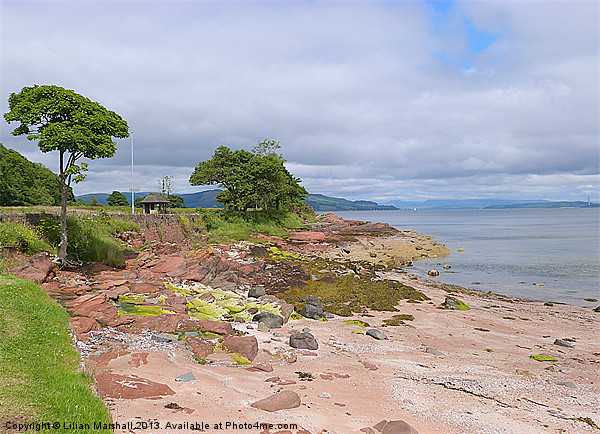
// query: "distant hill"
[[206, 199], [437, 204], [559, 204], [322, 203], [23, 182]]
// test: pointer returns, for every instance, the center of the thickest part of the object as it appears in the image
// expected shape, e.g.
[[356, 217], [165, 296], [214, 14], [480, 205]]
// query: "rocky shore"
[[324, 331]]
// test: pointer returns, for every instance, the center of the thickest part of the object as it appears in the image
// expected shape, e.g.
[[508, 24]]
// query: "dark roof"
[[154, 198]]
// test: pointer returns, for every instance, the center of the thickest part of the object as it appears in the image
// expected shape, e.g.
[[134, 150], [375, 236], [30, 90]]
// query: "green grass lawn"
[[39, 368]]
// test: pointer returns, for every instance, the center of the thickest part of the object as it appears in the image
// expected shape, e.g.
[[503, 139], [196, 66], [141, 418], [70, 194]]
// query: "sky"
[[407, 100]]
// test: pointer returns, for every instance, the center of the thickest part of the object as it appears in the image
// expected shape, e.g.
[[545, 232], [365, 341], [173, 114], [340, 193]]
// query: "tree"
[[93, 201], [24, 183], [117, 198], [176, 201], [165, 186], [250, 179], [64, 121]]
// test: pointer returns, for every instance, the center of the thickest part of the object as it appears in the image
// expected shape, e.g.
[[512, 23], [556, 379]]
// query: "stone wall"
[[166, 228]]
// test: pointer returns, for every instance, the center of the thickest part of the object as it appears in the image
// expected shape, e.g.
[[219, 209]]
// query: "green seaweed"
[[357, 322], [397, 320], [137, 310], [543, 358], [239, 359], [349, 294]]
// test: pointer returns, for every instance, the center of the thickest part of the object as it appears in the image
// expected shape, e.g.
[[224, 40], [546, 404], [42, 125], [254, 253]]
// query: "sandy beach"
[[439, 370]]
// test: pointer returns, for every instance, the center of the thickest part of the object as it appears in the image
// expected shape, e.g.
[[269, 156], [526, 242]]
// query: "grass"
[[240, 226], [39, 378]]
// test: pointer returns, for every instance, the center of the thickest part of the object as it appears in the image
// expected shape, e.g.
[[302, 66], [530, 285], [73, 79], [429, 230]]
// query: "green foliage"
[[24, 183], [90, 237], [21, 237], [228, 225], [39, 368], [176, 201], [255, 179], [116, 199]]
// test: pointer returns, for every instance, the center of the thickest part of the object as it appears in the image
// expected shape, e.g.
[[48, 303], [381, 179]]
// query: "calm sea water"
[[508, 251]]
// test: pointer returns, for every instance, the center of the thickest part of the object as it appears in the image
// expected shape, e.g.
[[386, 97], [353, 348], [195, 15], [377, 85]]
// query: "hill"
[[559, 204], [322, 203], [203, 199], [24, 183], [438, 204]]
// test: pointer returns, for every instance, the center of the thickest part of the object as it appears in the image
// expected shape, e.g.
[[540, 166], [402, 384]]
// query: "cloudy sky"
[[369, 100]]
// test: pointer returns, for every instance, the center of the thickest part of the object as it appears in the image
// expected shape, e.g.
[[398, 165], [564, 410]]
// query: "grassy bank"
[[39, 381]]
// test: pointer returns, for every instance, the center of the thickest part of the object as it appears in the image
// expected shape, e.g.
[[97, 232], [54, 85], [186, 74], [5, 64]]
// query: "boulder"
[[286, 311], [303, 340], [200, 347], [374, 333], [311, 311], [84, 324], [36, 268], [257, 291], [283, 400], [433, 273], [314, 300], [269, 319], [246, 346], [395, 427], [454, 304]]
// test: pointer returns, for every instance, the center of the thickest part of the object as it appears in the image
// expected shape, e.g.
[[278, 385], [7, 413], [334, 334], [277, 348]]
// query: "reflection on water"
[[540, 254]]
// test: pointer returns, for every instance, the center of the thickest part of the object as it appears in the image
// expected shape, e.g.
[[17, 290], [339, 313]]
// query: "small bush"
[[22, 237], [89, 238]]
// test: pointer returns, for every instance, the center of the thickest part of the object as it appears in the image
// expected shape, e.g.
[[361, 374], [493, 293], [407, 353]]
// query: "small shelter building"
[[155, 203]]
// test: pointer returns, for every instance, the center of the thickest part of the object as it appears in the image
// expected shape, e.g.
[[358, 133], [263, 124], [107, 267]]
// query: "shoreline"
[[439, 370]]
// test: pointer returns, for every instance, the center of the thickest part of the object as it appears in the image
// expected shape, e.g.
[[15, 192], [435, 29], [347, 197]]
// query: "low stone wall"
[[167, 228]]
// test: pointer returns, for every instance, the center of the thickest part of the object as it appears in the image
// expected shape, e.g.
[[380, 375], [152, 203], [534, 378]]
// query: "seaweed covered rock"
[[454, 304], [245, 346]]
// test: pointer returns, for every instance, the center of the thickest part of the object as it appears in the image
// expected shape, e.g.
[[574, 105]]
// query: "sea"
[[544, 254]]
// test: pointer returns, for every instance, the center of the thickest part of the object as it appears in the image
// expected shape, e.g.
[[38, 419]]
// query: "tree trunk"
[[62, 247]]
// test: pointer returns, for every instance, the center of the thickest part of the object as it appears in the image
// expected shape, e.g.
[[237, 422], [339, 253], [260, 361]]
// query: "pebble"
[[562, 343], [433, 351], [325, 395], [374, 333], [186, 377], [568, 384], [163, 338]]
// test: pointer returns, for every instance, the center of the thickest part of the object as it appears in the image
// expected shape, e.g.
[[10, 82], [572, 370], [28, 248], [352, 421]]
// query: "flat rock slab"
[[130, 387], [283, 400]]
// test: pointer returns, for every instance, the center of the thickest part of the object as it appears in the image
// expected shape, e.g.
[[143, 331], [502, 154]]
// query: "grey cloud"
[[356, 93]]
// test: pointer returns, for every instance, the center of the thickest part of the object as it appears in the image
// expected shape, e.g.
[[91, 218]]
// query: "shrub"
[[89, 238], [22, 237]]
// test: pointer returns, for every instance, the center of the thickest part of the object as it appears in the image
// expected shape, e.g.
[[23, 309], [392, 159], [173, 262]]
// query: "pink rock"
[[36, 268], [83, 324], [130, 387], [368, 364], [246, 346], [168, 264], [283, 400], [98, 306], [263, 367], [200, 347], [395, 427], [220, 328]]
